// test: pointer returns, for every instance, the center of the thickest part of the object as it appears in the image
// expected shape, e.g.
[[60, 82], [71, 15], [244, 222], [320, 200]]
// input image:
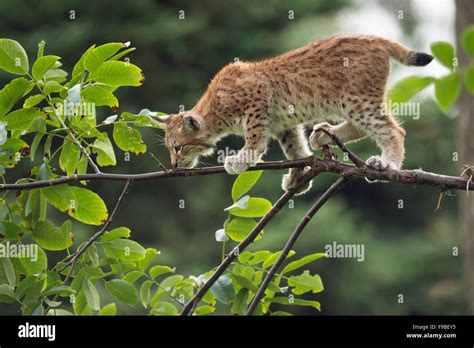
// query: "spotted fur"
[[341, 78]]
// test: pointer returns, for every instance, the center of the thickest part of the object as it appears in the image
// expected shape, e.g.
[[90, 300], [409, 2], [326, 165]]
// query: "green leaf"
[[164, 308], [295, 302], [132, 276], [150, 256], [244, 183], [80, 305], [116, 233], [159, 270], [258, 257], [204, 310], [20, 120], [100, 96], [306, 282], [7, 294], [239, 304], [281, 314], [140, 120], [91, 294], [272, 259], [12, 92], [237, 229], [90, 208], [33, 101], [69, 158], [35, 208], [79, 67], [128, 139], [122, 291], [95, 57], [50, 237], [110, 309], [41, 45], [468, 40], [8, 270], [245, 282], [469, 78], [447, 90], [82, 204], [105, 151], [125, 249], [53, 87], [42, 65], [302, 262], [256, 207], [57, 75], [116, 73], [11, 230], [223, 289], [444, 52], [145, 292], [13, 58], [405, 89]]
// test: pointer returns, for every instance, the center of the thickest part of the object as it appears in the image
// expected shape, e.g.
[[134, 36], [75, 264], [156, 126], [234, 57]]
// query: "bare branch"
[[104, 227], [188, 308], [292, 240], [406, 176], [75, 257]]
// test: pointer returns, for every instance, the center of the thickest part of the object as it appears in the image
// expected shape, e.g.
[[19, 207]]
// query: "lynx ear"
[[190, 124], [162, 120]]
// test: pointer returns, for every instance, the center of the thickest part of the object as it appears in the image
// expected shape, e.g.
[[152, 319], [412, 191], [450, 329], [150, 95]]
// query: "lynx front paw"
[[380, 163], [235, 165], [291, 180], [318, 138]]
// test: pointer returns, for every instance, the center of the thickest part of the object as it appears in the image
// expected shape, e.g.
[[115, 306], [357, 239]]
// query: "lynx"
[[340, 79]]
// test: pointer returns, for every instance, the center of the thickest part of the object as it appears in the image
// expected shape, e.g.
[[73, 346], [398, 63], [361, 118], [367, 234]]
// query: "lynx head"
[[186, 138]]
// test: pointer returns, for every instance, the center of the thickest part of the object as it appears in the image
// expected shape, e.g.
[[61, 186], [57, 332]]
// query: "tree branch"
[[406, 176], [96, 236], [292, 240], [188, 308], [75, 257]]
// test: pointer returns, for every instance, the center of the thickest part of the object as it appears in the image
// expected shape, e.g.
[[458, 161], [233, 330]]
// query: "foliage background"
[[408, 251]]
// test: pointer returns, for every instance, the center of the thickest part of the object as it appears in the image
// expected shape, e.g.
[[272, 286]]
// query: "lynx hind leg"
[[294, 145], [389, 137]]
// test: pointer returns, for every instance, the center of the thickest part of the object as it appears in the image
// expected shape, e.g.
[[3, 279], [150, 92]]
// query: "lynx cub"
[[342, 77]]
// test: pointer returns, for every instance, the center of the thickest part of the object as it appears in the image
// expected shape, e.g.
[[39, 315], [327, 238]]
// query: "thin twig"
[[292, 240], [359, 163], [188, 308], [159, 162], [75, 257], [91, 240]]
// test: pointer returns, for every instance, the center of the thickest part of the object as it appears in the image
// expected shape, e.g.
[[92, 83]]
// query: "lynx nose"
[[174, 163]]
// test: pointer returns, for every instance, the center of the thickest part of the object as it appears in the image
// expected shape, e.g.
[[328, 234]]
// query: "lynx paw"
[[291, 180], [235, 165], [379, 163], [318, 139]]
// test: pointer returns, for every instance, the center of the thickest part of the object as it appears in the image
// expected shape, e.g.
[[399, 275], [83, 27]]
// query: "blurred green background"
[[408, 251]]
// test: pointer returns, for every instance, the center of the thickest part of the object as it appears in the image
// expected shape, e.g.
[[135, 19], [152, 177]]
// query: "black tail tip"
[[422, 59]]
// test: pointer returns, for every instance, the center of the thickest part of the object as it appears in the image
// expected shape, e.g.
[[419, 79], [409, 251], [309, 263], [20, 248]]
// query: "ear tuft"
[[191, 124]]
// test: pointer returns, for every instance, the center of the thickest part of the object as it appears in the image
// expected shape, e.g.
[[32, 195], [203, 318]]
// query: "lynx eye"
[[178, 149]]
